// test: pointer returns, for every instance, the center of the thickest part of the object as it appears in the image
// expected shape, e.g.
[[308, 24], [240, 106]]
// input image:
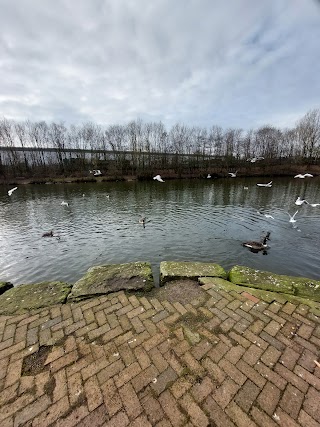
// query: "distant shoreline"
[[270, 171]]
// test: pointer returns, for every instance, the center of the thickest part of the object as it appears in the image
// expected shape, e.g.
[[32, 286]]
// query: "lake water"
[[187, 220]]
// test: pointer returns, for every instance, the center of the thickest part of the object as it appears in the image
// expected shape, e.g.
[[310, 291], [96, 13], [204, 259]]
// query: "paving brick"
[[216, 414], [232, 371], [251, 373], [197, 416], [130, 401], [291, 401], [52, 413], [311, 404], [162, 381], [269, 398], [239, 416], [152, 409], [270, 356], [247, 395], [171, 408], [291, 378], [225, 393], [306, 421], [31, 411], [93, 393]]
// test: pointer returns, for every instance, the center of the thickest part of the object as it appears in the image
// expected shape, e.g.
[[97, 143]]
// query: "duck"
[[258, 246], [48, 234]]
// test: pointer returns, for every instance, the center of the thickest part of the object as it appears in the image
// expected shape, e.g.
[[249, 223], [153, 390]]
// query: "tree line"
[[38, 148]]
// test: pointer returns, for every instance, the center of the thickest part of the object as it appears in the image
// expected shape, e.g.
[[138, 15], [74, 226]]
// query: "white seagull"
[[254, 159], [300, 202], [12, 190], [158, 178], [233, 174], [96, 172], [314, 204], [265, 185], [292, 217], [64, 203], [300, 175], [268, 216], [209, 176]]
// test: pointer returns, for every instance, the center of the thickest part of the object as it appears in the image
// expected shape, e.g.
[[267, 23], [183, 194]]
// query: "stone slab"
[[174, 270], [299, 286], [23, 298], [104, 279]]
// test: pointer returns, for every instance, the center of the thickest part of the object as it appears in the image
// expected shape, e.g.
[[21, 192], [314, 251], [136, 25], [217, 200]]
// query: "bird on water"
[[258, 246]]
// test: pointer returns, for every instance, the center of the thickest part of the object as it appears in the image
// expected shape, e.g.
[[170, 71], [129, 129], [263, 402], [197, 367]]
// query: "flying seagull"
[[300, 175], [64, 203], [254, 159], [292, 217], [96, 172], [265, 185], [158, 178], [12, 190]]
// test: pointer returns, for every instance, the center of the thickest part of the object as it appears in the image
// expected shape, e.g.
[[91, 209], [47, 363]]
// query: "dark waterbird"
[[258, 246]]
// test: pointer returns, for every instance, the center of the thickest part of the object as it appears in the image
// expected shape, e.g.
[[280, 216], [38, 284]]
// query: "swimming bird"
[[96, 172], [246, 188], [233, 174], [12, 190], [142, 220], [314, 204], [258, 246], [48, 234], [292, 217], [63, 203], [208, 176], [265, 185], [254, 159], [300, 175], [268, 216], [300, 202], [158, 178]]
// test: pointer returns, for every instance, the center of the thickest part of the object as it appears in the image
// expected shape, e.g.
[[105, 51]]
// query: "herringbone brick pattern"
[[124, 360]]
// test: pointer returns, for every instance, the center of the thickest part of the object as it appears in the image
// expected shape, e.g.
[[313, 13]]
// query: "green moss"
[[27, 297], [174, 270]]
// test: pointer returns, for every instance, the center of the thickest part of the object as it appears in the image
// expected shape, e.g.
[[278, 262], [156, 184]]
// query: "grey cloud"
[[198, 62]]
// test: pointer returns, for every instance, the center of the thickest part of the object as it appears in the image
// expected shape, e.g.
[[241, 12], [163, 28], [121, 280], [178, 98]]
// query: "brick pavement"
[[126, 360]]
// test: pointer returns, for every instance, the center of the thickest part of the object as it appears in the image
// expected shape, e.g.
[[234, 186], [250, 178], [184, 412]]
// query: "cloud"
[[200, 62]]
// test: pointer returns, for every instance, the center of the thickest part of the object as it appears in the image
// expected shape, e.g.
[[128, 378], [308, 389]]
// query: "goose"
[[158, 178], [258, 246], [300, 202], [48, 234], [265, 185], [300, 175], [233, 174], [12, 190]]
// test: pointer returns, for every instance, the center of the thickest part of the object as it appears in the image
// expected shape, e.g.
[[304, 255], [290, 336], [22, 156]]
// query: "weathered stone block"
[[104, 279], [299, 286], [4, 286], [174, 270], [27, 297]]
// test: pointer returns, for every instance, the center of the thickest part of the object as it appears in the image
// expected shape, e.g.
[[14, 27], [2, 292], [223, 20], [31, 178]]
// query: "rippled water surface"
[[189, 220]]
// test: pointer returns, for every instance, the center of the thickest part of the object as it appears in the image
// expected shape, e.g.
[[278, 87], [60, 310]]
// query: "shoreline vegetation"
[[40, 151]]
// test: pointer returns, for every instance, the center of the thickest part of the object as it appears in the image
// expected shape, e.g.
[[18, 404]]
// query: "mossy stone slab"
[[23, 298], [175, 270], [4, 286], [299, 286], [105, 279]]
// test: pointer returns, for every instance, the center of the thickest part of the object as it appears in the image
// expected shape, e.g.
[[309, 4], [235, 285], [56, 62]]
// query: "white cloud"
[[200, 62]]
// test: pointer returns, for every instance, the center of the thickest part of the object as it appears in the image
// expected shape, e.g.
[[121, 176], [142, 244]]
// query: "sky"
[[235, 63]]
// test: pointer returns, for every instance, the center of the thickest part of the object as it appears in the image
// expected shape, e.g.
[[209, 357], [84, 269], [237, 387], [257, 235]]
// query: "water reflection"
[[193, 220]]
